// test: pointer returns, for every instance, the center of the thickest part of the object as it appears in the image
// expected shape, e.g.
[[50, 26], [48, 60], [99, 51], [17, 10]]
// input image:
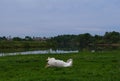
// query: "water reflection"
[[50, 51]]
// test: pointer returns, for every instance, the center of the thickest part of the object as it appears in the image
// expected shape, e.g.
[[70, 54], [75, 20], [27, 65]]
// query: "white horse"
[[52, 62]]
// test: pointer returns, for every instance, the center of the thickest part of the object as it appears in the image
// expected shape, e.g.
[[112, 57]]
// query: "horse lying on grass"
[[52, 62]]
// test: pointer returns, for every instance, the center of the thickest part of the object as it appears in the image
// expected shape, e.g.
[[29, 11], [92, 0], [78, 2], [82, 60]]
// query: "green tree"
[[85, 40], [28, 38], [112, 37], [17, 39]]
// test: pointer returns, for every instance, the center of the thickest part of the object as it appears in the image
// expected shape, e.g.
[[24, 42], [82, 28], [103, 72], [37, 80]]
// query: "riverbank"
[[87, 66], [49, 51]]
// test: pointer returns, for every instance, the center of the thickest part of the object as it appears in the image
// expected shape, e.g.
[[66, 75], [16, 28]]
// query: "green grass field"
[[87, 66]]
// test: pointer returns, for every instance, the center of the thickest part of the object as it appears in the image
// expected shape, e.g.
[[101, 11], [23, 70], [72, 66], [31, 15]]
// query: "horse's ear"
[[48, 57]]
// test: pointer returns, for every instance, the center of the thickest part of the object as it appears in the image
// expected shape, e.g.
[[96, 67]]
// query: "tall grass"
[[87, 66]]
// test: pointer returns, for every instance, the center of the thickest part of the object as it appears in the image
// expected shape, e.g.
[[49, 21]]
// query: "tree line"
[[86, 41]]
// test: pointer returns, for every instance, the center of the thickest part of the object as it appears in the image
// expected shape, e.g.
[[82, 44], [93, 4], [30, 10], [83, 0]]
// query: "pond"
[[50, 51]]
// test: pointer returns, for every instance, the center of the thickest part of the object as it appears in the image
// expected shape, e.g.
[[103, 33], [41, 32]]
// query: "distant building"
[[9, 38], [39, 38]]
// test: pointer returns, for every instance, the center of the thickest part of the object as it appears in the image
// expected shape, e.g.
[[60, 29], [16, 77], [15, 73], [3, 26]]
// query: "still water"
[[50, 51]]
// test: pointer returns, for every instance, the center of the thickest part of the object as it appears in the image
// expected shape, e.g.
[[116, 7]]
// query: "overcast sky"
[[57, 17]]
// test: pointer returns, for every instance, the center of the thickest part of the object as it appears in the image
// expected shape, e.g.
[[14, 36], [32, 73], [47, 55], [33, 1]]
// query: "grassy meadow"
[[87, 66]]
